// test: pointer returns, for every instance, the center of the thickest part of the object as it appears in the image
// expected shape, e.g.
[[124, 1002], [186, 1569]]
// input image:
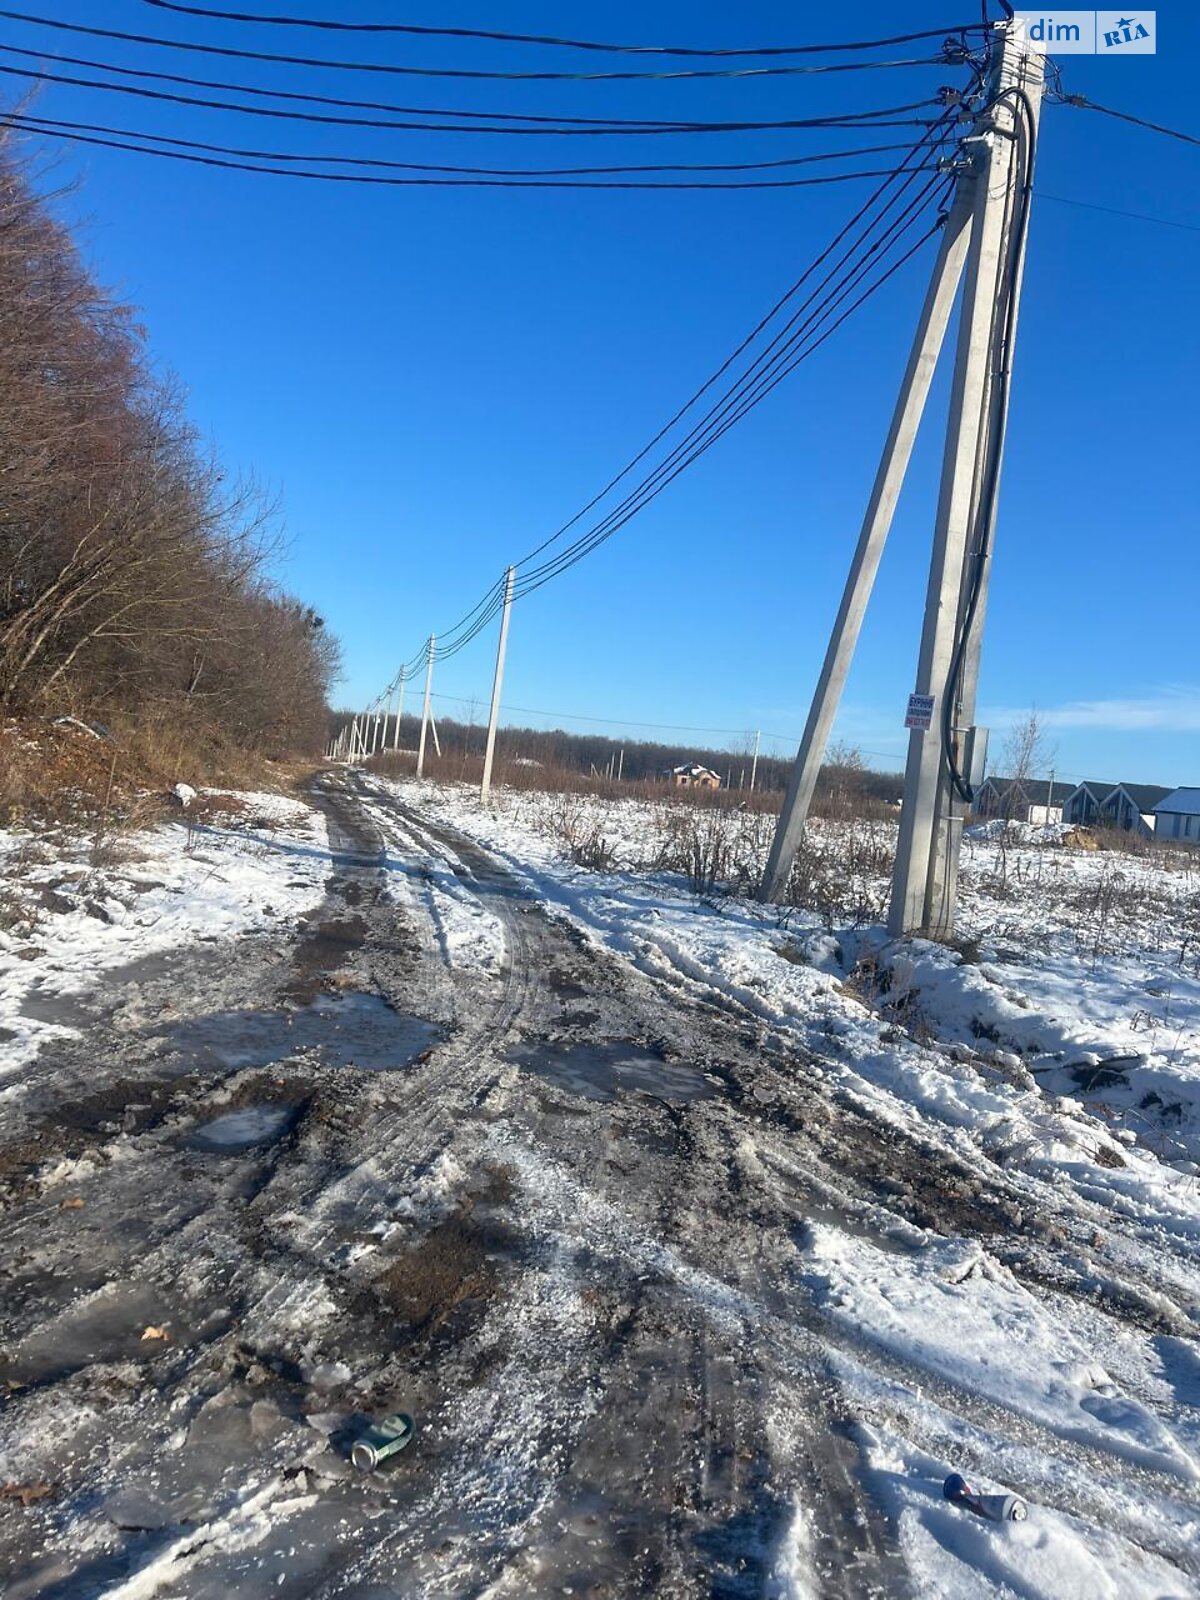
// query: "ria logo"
[[1131, 35], [1090, 33]]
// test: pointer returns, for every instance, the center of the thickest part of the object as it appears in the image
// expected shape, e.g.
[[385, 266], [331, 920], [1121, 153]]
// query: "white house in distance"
[[1178, 816]]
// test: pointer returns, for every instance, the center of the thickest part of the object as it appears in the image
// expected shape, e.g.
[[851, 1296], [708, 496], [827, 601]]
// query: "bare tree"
[[132, 574]]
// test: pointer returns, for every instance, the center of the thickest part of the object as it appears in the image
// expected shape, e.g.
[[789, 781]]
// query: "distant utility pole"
[[399, 710], [980, 232], [425, 709], [485, 786], [754, 763]]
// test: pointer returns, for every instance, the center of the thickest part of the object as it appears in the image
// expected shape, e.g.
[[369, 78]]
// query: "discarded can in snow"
[[995, 1507], [382, 1441]]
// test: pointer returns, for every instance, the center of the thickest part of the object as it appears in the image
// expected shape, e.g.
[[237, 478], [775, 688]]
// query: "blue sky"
[[434, 380]]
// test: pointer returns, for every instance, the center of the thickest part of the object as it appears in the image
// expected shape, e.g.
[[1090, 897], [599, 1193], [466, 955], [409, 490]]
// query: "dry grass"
[[60, 775]]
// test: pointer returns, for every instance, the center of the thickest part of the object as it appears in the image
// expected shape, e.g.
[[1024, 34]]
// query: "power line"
[[659, 727], [306, 98], [875, 118], [64, 131], [1123, 116], [52, 125], [787, 348], [629, 509], [714, 378], [701, 449], [725, 412], [1113, 211], [551, 77], [391, 69], [341, 26], [299, 95]]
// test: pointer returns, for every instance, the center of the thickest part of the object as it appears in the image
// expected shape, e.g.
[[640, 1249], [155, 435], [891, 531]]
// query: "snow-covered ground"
[[1051, 1062], [1060, 1043], [1065, 1029], [75, 910]]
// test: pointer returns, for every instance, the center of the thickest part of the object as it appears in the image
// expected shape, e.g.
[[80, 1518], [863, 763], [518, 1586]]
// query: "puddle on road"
[[242, 1129], [603, 1071], [105, 1327], [59, 1007], [349, 1030]]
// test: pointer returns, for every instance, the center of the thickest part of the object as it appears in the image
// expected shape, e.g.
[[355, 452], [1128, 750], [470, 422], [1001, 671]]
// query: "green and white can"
[[382, 1440]]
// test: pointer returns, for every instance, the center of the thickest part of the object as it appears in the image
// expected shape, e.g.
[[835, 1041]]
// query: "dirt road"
[[442, 1153]]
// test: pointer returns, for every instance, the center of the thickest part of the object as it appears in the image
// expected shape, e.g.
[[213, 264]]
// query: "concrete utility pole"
[[925, 880], [754, 763], [485, 786], [425, 709], [914, 391], [981, 214], [387, 717], [399, 710]]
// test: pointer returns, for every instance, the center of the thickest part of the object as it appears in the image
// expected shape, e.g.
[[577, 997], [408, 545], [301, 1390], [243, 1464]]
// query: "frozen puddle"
[[352, 1030], [107, 1326], [241, 1130], [603, 1071]]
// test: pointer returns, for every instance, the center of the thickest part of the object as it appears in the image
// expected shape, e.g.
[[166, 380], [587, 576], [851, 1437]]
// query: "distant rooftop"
[[1185, 801], [1145, 796]]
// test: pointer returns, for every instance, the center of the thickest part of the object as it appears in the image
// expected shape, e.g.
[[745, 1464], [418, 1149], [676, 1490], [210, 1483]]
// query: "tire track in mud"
[[707, 1498], [948, 1214], [597, 1314]]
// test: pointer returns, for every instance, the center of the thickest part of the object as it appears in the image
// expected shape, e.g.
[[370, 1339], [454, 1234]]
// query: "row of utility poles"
[[362, 737], [982, 248]]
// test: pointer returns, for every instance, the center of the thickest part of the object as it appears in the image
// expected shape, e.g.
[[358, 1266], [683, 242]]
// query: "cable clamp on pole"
[[955, 51]]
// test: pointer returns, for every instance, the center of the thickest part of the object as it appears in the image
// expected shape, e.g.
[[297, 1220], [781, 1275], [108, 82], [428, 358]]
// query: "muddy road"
[[439, 1152]]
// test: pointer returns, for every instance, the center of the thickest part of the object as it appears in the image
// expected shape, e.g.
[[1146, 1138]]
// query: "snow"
[[1058, 1045], [996, 1047], [953, 1555], [160, 889], [1070, 961]]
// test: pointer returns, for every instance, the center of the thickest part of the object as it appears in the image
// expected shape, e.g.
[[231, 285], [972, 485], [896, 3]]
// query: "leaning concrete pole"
[[906, 418], [425, 710], [497, 685]]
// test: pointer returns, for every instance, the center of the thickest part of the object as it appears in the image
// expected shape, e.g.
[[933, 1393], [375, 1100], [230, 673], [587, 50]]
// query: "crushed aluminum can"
[[995, 1507], [382, 1440]]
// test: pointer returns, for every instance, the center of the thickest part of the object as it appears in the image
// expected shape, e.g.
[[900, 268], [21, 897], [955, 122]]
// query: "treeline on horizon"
[[643, 761], [135, 586]]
